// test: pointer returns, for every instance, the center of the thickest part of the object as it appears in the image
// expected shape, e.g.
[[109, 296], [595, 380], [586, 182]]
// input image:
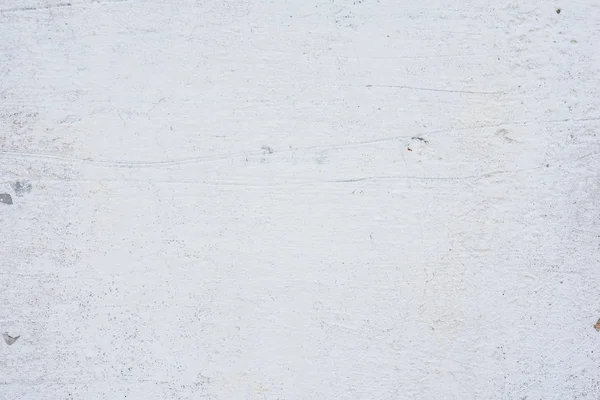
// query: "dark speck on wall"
[[267, 149], [6, 198], [10, 340]]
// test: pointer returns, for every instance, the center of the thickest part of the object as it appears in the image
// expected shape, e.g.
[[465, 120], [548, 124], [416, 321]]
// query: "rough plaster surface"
[[299, 199]]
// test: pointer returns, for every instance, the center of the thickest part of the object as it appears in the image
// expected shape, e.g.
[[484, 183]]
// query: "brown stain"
[[597, 326]]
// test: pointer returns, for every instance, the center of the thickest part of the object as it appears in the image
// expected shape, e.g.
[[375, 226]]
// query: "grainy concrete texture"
[[331, 199]]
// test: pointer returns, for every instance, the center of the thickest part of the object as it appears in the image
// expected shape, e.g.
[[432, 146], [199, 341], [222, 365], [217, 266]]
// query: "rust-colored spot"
[[597, 326], [409, 149]]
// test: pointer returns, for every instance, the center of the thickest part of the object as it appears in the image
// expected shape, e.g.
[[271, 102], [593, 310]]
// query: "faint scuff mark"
[[70, 119], [321, 157], [21, 188], [503, 134], [41, 7]]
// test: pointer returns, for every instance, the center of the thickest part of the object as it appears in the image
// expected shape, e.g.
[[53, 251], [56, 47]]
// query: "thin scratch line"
[[307, 181], [434, 178], [120, 164], [294, 183], [219, 157], [59, 5], [430, 89], [44, 7]]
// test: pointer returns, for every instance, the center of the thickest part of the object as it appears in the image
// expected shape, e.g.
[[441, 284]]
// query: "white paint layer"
[[299, 199]]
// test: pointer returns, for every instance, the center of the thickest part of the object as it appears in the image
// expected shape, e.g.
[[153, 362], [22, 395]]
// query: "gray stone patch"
[[10, 340], [21, 188], [5, 198]]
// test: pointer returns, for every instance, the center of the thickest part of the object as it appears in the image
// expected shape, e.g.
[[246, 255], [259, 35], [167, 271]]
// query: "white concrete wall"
[[234, 199]]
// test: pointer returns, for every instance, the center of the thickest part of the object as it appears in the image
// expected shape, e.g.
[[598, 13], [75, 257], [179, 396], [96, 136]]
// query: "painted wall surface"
[[235, 199]]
